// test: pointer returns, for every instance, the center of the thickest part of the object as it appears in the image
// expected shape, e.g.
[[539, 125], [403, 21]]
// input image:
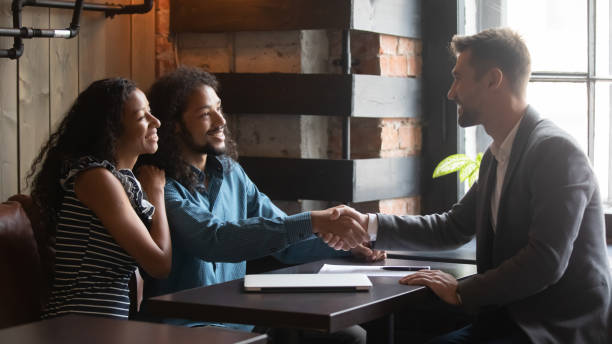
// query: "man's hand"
[[344, 210], [442, 284], [338, 232], [364, 252]]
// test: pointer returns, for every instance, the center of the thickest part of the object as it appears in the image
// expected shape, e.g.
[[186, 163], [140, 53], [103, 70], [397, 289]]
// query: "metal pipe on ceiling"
[[19, 32]]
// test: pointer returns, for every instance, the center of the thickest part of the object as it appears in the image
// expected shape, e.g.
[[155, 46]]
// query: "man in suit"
[[543, 272]]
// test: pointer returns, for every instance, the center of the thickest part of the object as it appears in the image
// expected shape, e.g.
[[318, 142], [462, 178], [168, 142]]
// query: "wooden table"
[[330, 312], [465, 254], [92, 330]]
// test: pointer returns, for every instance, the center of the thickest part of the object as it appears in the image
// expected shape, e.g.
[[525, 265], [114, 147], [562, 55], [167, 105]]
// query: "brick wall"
[[307, 51], [391, 56]]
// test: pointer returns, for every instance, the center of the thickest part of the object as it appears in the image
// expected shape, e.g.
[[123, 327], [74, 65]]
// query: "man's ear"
[[495, 78]]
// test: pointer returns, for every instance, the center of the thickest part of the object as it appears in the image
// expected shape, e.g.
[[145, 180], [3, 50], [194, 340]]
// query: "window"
[[571, 81]]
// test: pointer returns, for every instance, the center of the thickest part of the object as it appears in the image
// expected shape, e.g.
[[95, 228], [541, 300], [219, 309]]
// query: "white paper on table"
[[360, 269]]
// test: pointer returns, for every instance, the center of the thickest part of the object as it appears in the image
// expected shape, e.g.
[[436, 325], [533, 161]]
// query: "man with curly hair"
[[218, 217]]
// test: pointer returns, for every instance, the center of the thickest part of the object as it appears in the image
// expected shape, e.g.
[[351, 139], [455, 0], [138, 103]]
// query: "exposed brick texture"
[[164, 48], [311, 51]]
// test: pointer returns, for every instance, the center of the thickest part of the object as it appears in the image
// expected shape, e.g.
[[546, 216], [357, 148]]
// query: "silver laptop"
[[306, 282]]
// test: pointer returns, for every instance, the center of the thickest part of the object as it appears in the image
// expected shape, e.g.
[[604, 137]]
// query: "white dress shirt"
[[502, 155]]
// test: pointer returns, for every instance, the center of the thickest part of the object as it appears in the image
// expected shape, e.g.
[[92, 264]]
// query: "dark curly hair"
[[168, 99], [91, 127]]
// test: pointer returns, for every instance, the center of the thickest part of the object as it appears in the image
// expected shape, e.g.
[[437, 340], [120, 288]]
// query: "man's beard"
[[207, 148], [467, 118]]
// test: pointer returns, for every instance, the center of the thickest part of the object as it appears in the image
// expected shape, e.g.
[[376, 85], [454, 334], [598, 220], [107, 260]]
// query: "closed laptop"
[[306, 282]]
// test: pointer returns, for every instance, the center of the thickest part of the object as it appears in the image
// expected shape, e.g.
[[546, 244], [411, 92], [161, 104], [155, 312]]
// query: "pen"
[[406, 268]]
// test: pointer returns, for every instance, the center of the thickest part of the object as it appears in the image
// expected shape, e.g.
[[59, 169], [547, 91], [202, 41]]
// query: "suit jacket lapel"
[[484, 239], [528, 123]]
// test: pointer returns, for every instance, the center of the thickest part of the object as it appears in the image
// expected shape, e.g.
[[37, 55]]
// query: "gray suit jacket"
[[547, 262]]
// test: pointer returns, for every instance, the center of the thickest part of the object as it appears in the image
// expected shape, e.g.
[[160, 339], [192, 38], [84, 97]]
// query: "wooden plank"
[[258, 15], [92, 47], [316, 94], [392, 17], [64, 73], [143, 48], [378, 96], [34, 112], [118, 32], [334, 180], [440, 132], [9, 161], [292, 179], [321, 94], [386, 178]]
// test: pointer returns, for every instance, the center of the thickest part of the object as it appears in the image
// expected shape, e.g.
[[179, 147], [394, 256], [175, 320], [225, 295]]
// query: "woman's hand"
[[152, 179]]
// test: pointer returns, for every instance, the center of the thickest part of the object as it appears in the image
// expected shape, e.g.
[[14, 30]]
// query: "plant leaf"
[[467, 170], [479, 158], [473, 176], [450, 164]]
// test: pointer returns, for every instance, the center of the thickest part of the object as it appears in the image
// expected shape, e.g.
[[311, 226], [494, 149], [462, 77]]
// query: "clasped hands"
[[344, 228]]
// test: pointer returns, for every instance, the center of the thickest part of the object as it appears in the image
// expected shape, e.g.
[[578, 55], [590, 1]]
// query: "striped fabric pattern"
[[92, 271]]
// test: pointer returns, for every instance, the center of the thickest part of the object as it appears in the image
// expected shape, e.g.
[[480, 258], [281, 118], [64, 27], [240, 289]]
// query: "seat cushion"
[[45, 240], [20, 267]]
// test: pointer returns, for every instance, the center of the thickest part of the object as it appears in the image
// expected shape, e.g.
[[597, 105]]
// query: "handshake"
[[341, 227]]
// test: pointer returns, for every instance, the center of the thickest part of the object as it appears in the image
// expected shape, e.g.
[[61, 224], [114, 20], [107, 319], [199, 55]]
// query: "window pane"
[[555, 32], [602, 38], [563, 103], [601, 158]]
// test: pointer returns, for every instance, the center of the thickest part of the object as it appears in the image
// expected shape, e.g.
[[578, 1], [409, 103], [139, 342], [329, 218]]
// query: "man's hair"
[[501, 48], [168, 99]]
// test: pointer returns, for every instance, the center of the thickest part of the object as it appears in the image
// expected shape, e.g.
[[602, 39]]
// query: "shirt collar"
[[502, 153], [214, 166]]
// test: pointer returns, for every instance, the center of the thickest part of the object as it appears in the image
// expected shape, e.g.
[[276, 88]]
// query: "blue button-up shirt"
[[215, 229]]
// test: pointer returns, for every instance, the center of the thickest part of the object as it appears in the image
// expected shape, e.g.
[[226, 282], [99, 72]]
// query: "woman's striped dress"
[[91, 270]]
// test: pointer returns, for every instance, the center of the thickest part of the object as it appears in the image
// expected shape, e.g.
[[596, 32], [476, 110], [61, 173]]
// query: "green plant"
[[468, 168]]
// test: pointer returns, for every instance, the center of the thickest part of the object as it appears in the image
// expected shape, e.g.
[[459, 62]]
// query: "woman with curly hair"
[[82, 180]]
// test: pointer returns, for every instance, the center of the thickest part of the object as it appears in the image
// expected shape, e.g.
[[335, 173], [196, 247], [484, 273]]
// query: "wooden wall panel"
[[36, 92], [92, 48], [9, 162], [118, 44], [64, 74], [143, 48], [33, 93]]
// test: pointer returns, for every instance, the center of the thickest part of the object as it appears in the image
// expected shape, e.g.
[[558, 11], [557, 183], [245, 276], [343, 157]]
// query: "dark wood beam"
[[320, 94], [394, 17], [439, 114], [344, 181]]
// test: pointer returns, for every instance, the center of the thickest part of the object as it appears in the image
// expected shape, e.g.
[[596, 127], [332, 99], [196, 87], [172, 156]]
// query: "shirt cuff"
[[298, 227], [372, 226]]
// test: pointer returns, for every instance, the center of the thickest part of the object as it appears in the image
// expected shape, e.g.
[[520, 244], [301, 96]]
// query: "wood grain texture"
[[92, 48], [34, 111], [9, 159], [64, 74], [357, 180], [118, 38], [143, 48], [321, 94], [245, 15], [392, 17]]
